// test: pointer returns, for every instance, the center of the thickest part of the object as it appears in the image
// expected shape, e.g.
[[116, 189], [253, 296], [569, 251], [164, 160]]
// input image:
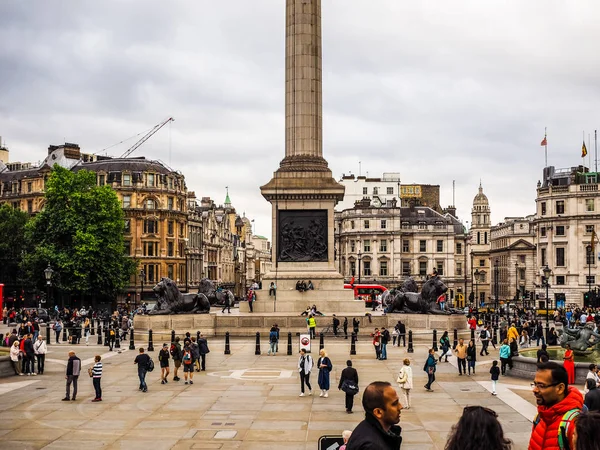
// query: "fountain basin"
[[525, 365]]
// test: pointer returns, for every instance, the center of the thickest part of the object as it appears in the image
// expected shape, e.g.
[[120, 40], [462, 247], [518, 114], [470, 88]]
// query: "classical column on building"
[[302, 191]]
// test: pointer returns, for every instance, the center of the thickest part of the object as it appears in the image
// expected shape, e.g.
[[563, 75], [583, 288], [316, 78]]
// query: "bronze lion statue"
[[171, 301], [215, 297]]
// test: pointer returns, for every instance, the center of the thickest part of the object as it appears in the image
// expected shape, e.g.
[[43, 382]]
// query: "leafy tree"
[[80, 233], [12, 230]]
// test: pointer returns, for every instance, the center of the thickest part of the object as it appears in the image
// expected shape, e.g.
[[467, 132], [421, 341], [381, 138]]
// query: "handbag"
[[350, 387], [90, 372]]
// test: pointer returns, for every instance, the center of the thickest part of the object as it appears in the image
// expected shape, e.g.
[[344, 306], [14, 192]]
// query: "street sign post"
[[330, 442]]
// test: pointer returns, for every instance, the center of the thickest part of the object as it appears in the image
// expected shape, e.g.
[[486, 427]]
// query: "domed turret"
[[480, 198]]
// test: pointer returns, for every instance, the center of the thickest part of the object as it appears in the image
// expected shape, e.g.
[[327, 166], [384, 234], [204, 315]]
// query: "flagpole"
[[596, 150], [590, 158], [582, 155], [546, 145]]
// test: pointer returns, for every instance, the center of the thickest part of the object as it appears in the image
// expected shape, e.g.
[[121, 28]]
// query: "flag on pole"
[[544, 141], [583, 150]]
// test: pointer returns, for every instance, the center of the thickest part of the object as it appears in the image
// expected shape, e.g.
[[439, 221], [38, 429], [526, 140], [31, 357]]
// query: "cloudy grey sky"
[[434, 90]]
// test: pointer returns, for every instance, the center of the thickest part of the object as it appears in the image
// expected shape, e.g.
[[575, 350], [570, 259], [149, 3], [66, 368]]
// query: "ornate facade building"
[[479, 249]]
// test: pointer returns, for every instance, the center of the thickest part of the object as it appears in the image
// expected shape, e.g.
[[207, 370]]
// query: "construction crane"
[[147, 136]]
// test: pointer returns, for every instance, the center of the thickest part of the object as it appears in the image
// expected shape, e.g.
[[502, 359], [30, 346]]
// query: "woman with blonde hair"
[[325, 366], [14, 358], [405, 381]]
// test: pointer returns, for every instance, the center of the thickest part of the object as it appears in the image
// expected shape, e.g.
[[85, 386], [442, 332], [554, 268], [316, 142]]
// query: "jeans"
[[377, 351], [41, 359], [538, 340], [504, 362], [57, 332], [272, 347], [28, 364], [462, 365], [250, 306], [142, 377], [471, 366], [97, 387], [71, 379], [383, 350], [484, 346], [430, 380], [403, 337], [442, 306], [349, 402], [305, 379]]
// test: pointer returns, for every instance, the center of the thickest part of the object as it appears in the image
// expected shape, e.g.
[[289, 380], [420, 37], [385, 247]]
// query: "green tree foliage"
[[12, 231], [80, 233]]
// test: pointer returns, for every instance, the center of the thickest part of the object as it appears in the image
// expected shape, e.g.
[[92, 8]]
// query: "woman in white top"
[[40, 350], [593, 375], [405, 381], [14, 358]]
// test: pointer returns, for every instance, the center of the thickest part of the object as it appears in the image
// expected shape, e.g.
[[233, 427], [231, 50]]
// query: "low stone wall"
[[524, 367], [6, 367]]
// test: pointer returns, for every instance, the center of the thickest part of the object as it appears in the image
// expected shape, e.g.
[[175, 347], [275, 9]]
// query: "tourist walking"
[[378, 431], [86, 330], [325, 367], [272, 341], [40, 349], [163, 360], [73, 371], [176, 354], [195, 349], [461, 356], [335, 323], [204, 350], [227, 303], [568, 363], [539, 334], [429, 369], [495, 375], [478, 427], [96, 377], [349, 384], [188, 364], [355, 325], [405, 381], [471, 356], [305, 365], [504, 354], [57, 327], [376, 335], [143, 361], [14, 358], [401, 333], [485, 340], [445, 346], [385, 338], [250, 297]]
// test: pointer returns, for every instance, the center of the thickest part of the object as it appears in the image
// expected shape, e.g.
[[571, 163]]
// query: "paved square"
[[243, 401]]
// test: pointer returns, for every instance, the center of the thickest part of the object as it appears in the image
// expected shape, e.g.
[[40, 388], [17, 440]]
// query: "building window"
[[352, 246], [127, 227], [589, 204], [422, 226], [126, 179], [560, 280], [150, 248], [485, 235], [390, 190], [127, 247], [150, 180], [152, 272], [365, 191], [482, 263], [590, 279], [101, 180], [521, 274], [181, 225], [560, 257], [406, 268], [478, 237], [560, 230], [560, 206], [150, 204], [522, 259], [170, 203], [150, 226], [367, 268], [352, 224], [406, 225], [383, 245], [422, 267], [543, 207], [440, 268], [353, 268], [366, 224], [589, 229], [367, 245], [459, 248], [589, 258], [440, 245], [383, 268], [543, 231], [170, 271], [375, 191], [170, 228], [383, 224], [543, 256], [170, 247], [30, 187], [458, 269], [405, 245], [30, 206], [127, 201], [422, 246]]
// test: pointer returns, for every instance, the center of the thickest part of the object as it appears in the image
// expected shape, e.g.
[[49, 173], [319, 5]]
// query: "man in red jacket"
[[558, 406]]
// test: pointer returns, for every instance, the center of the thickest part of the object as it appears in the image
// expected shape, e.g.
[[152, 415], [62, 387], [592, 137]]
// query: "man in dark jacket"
[[73, 371], [29, 356], [401, 328], [592, 398], [351, 375], [203, 346], [382, 412]]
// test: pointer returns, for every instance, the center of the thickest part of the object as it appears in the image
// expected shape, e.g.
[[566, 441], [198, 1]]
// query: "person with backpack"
[[485, 340], [305, 365], [558, 406], [349, 384], [112, 337], [57, 327], [163, 359], [40, 349], [204, 350], [143, 362], [445, 345], [195, 349], [272, 341], [188, 364], [176, 354]]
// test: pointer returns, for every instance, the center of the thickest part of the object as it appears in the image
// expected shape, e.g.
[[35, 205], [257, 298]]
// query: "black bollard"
[[289, 346], [150, 344], [435, 347], [172, 335], [410, 348], [257, 351], [106, 336], [353, 344], [48, 340], [321, 341], [92, 327], [455, 338], [473, 334], [64, 339], [99, 334], [131, 343], [227, 349]]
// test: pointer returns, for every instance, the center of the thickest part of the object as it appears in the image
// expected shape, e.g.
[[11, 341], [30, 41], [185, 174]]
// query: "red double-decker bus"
[[365, 291]]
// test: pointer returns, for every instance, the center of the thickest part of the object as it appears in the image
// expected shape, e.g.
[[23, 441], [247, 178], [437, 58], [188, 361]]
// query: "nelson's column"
[[302, 191]]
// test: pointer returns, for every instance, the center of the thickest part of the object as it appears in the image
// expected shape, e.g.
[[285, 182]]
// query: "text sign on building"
[[410, 191]]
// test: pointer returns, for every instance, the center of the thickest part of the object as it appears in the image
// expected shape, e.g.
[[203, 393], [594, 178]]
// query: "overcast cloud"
[[435, 90]]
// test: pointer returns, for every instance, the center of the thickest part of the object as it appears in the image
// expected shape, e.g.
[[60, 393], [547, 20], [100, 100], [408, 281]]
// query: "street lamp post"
[[359, 259], [547, 272], [477, 273], [590, 259], [142, 279], [496, 268], [48, 275]]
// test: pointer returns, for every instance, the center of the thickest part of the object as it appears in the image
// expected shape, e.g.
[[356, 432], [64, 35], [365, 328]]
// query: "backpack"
[[563, 428], [174, 351], [150, 366], [112, 332], [187, 358], [483, 334]]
